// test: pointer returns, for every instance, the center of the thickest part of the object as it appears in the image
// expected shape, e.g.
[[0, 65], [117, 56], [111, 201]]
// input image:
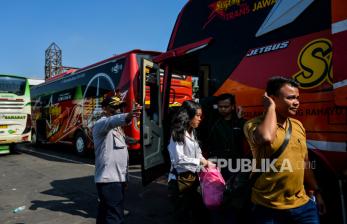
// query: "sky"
[[87, 31]]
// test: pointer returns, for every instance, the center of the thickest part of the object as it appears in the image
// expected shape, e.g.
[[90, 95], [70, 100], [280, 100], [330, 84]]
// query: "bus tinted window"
[[99, 86], [12, 85], [105, 86]]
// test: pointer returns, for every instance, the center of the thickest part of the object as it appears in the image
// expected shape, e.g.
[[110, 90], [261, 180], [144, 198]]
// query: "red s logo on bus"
[[315, 64]]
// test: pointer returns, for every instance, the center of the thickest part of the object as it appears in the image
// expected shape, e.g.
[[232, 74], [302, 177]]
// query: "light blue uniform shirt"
[[111, 152]]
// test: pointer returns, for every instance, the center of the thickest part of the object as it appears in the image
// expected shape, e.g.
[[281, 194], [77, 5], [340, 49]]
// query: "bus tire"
[[12, 148], [34, 140], [80, 143]]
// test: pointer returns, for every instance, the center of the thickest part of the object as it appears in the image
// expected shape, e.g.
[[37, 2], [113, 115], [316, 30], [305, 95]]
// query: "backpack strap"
[[276, 154], [281, 149]]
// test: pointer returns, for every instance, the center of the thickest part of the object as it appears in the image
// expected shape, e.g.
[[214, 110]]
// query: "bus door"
[[153, 159]]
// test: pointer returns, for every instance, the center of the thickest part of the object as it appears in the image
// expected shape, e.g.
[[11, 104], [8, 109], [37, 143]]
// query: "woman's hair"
[[181, 120]]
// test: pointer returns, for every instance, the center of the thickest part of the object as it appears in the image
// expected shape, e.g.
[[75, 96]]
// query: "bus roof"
[[136, 51], [72, 71], [16, 76]]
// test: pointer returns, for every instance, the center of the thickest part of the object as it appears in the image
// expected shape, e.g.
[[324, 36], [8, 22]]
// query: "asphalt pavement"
[[55, 186]]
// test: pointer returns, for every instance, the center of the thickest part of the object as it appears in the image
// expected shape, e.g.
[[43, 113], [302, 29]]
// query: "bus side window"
[[152, 91]]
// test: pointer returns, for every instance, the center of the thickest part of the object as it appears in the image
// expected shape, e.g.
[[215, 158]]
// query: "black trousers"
[[111, 204], [188, 207]]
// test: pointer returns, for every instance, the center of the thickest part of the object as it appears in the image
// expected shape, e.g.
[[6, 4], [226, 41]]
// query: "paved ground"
[[57, 187]]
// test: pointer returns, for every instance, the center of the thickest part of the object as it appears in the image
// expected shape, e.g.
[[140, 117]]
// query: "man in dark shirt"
[[223, 141], [223, 137]]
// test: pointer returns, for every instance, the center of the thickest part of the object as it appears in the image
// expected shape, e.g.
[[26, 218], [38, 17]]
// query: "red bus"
[[235, 46], [65, 107]]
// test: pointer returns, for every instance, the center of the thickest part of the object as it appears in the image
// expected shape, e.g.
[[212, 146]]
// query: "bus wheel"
[[12, 148], [33, 138], [80, 143]]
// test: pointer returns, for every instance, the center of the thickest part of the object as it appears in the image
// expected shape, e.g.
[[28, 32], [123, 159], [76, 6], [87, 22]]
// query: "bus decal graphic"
[[258, 5], [123, 95], [49, 105], [315, 65], [11, 132], [232, 9], [14, 117], [268, 48], [90, 108], [117, 68], [73, 119]]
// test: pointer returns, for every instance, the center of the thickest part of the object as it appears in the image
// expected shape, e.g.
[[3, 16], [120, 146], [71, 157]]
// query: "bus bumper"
[[4, 149], [15, 139]]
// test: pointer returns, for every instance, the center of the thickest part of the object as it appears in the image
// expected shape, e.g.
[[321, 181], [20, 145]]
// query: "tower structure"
[[53, 61]]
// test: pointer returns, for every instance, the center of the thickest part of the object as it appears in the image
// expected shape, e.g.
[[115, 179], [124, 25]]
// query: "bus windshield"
[[12, 85]]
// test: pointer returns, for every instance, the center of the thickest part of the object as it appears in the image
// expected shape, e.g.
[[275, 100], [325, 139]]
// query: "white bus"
[[15, 112]]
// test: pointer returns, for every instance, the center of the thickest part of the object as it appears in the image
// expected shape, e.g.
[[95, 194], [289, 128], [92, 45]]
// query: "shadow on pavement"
[[78, 197], [54, 152], [75, 196]]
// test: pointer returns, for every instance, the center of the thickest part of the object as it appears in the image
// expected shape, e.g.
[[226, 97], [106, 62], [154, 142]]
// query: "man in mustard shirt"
[[279, 194]]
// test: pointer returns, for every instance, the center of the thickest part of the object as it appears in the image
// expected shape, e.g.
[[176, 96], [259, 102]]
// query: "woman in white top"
[[186, 161]]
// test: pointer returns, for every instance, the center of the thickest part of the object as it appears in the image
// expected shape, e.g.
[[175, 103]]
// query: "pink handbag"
[[212, 187]]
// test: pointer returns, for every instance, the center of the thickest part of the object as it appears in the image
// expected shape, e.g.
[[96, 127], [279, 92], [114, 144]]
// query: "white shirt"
[[185, 157]]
